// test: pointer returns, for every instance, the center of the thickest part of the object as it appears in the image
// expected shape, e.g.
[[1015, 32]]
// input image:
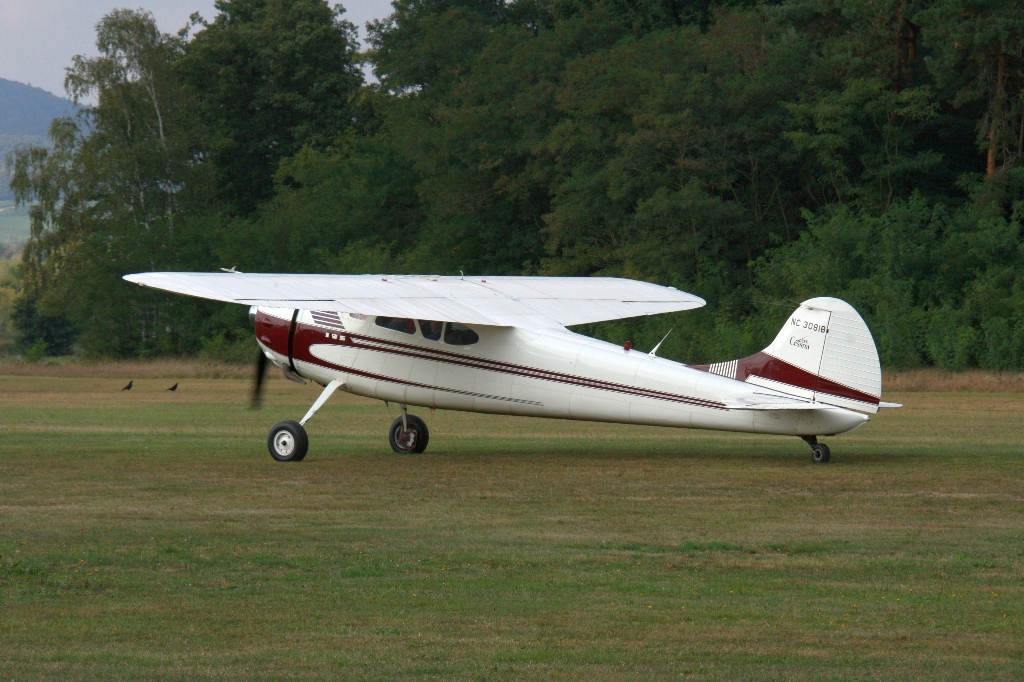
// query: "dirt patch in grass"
[[166, 368], [937, 381]]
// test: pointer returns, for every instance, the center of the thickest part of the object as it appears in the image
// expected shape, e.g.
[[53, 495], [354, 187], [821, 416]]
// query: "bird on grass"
[[173, 388], [129, 386]]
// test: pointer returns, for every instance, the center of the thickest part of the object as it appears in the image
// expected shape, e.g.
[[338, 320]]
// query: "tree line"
[[754, 153]]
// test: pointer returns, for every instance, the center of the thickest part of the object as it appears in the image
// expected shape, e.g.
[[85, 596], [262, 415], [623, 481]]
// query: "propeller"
[[257, 386]]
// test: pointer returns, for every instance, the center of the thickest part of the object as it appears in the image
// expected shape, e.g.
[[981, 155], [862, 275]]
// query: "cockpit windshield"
[[398, 324]]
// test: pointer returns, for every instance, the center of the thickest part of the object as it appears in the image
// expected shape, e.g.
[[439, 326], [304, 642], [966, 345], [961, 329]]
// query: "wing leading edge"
[[530, 302]]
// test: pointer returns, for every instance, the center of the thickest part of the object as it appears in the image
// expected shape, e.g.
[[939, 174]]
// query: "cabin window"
[[431, 329], [459, 334], [398, 324]]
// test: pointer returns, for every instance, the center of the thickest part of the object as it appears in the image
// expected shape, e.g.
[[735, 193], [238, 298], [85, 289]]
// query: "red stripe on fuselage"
[[307, 335]]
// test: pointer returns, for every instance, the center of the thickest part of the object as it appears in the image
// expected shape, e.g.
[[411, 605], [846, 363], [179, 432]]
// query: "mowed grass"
[[148, 534]]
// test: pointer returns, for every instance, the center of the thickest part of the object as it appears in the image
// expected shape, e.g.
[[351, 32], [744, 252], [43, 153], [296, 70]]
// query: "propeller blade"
[[257, 386]]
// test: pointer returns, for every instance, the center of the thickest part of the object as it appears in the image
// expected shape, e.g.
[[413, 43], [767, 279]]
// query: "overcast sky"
[[38, 38]]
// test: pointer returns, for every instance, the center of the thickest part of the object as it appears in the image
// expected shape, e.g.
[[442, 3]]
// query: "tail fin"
[[824, 352]]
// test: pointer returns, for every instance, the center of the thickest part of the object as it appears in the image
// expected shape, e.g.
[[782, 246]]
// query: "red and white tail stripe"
[[725, 369]]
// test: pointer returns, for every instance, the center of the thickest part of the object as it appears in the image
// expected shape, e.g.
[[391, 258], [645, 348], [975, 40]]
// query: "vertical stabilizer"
[[824, 352]]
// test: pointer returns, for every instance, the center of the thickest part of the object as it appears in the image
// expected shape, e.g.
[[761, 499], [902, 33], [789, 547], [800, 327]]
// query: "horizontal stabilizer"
[[773, 407], [885, 404], [761, 401]]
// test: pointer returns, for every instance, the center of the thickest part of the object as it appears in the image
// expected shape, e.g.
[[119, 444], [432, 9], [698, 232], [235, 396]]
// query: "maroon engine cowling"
[[272, 332]]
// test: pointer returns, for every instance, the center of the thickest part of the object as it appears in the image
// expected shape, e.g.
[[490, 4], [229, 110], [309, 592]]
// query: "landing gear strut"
[[288, 441], [819, 451]]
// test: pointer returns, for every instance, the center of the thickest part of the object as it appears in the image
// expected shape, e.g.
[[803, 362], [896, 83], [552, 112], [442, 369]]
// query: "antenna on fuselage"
[[655, 349]]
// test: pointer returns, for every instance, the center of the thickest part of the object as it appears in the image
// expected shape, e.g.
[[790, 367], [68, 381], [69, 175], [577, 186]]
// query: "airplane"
[[500, 345]]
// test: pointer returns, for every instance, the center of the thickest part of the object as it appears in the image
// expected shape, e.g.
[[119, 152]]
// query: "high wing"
[[530, 302]]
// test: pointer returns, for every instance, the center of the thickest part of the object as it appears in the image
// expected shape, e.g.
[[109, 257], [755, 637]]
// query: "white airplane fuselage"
[[508, 370]]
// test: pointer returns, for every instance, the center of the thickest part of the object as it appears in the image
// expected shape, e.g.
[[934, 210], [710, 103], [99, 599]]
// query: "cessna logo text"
[[799, 343]]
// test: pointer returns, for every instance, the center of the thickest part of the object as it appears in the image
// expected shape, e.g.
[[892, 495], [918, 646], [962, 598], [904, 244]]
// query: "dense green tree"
[[755, 154], [113, 193], [325, 202], [978, 56], [56, 333], [269, 77], [936, 286], [667, 157]]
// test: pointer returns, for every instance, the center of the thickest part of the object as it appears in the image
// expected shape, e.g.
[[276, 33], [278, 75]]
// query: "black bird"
[[173, 388], [129, 386]]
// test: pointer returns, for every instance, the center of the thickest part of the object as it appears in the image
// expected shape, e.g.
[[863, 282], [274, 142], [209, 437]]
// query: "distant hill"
[[25, 110], [25, 116]]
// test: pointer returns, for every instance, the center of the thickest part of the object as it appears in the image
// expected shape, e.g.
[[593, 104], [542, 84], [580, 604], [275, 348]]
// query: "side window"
[[431, 329], [398, 324], [459, 334]]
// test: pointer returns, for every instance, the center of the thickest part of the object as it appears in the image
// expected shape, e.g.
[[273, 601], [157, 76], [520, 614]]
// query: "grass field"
[[148, 534]]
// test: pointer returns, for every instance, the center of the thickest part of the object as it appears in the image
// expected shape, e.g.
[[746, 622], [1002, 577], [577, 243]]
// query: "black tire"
[[411, 441], [820, 453], [288, 441]]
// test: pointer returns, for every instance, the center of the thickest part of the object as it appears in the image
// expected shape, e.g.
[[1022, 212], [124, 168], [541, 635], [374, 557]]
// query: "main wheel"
[[411, 439], [820, 453], [288, 441]]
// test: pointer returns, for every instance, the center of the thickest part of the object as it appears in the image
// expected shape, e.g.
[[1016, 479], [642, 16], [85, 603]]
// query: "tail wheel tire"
[[410, 437], [288, 441], [820, 453]]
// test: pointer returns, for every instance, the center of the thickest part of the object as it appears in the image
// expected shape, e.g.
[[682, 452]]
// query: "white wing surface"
[[530, 302]]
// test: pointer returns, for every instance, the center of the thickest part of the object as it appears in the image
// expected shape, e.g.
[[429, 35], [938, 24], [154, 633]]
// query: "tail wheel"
[[410, 436], [820, 453], [288, 441]]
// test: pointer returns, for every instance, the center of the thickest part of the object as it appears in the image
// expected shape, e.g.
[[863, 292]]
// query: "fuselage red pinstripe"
[[307, 335]]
